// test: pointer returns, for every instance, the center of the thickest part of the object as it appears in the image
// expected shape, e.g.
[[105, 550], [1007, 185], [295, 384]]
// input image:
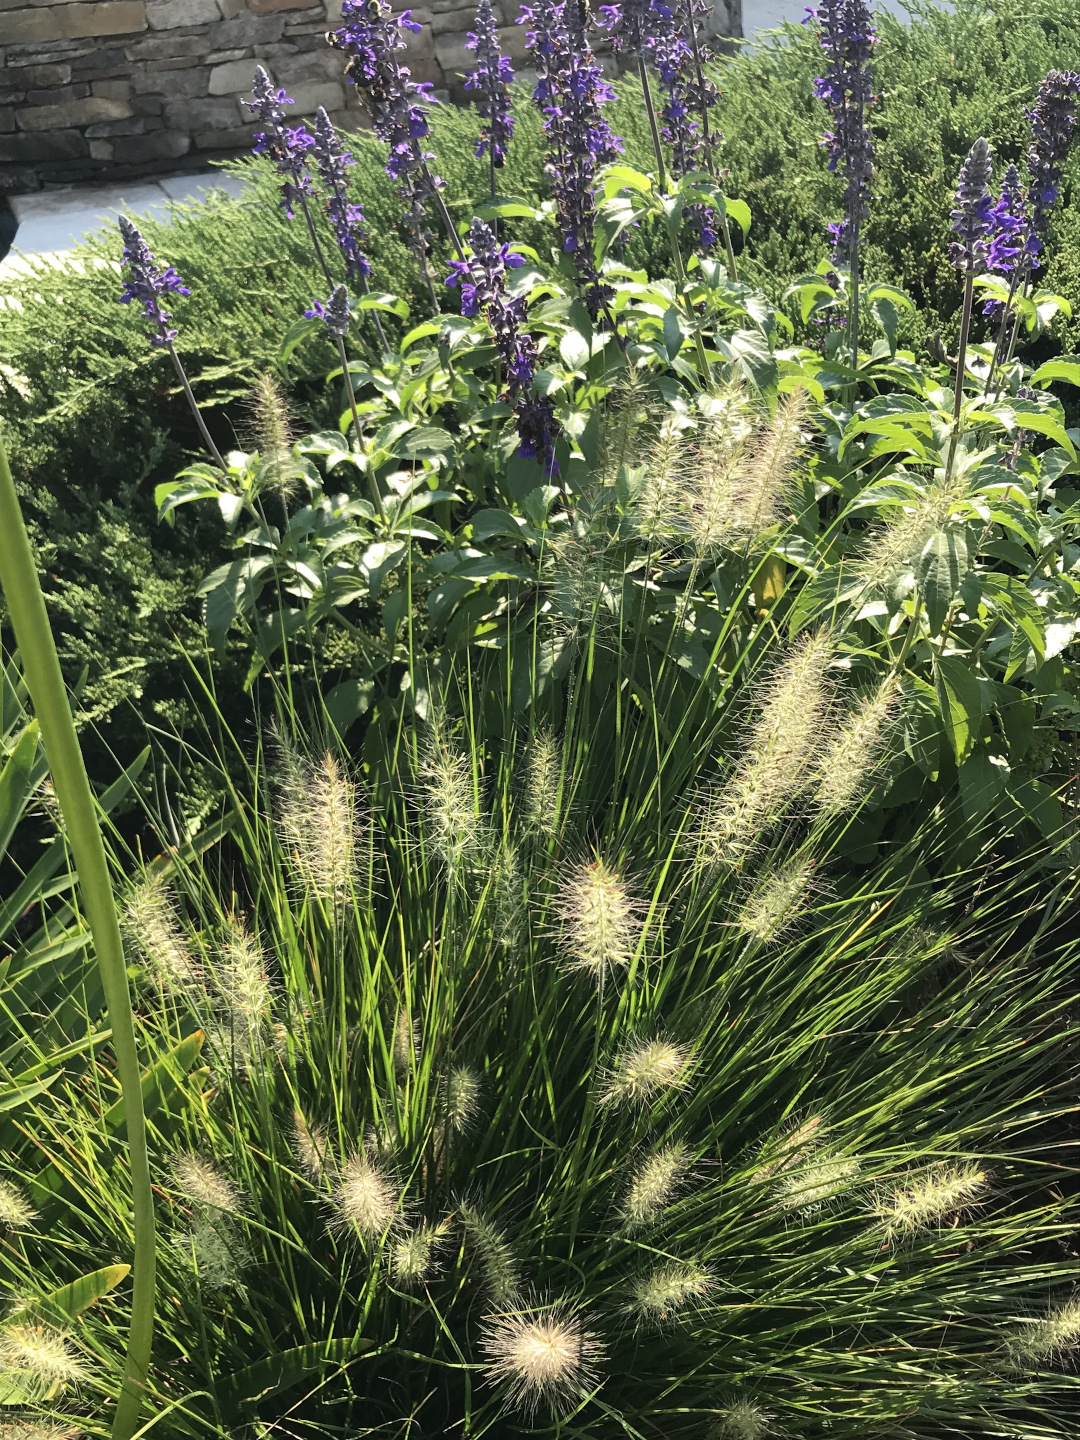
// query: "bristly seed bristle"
[[202, 1185], [853, 751], [244, 984], [777, 764], [16, 1212], [820, 1176], [777, 900], [309, 1146], [454, 828], [40, 1360], [667, 1289], [273, 433], [742, 1419], [500, 1270], [414, 1258], [941, 1193], [151, 921], [542, 1356], [645, 1070], [462, 1098], [540, 792], [1050, 1340], [600, 919], [321, 822], [406, 1046], [653, 1186], [366, 1201]]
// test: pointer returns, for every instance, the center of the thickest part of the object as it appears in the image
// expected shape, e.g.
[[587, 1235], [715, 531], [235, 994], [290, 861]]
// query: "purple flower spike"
[[371, 36], [146, 282], [1009, 225], [1053, 121], [334, 314], [569, 93], [482, 281], [971, 218], [347, 219], [286, 147], [491, 80], [847, 40], [631, 25]]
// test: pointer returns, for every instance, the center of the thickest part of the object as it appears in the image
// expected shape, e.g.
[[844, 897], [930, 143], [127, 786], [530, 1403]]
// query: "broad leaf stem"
[[961, 370], [356, 421], [33, 634]]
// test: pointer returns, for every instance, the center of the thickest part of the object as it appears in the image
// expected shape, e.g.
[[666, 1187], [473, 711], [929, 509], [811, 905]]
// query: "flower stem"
[[680, 274], [853, 312], [30, 621], [440, 203], [1005, 316], [194, 404], [961, 367], [356, 421], [654, 129]]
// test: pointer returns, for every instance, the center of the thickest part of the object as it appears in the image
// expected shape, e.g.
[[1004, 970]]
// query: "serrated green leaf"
[[940, 569], [960, 699]]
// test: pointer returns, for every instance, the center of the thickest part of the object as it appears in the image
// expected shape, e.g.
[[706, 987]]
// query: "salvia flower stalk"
[[971, 221], [570, 91], [146, 282], [847, 40], [482, 281], [288, 148], [371, 35], [1053, 123], [634, 27], [491, 81]]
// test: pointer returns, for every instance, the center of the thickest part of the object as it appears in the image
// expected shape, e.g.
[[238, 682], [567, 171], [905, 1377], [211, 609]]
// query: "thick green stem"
[[654, 129], [41, 666], [347, 377], [680, 275], [961, 369]]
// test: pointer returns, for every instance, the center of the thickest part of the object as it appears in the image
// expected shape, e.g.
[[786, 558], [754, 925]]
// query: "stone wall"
[[107, 89]]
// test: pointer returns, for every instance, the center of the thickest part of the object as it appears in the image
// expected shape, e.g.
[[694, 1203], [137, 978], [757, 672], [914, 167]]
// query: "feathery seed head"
[[705, 497], [777, 900], [600, 919], [366, 1200], [653, 1186], [661, 504], [938, 1194], [762, 492], [38, 1430], [497, 1261], [212, 1245], [540, 791], [244, 985], [893, 548], [462, 1097], [273, 433], [790, 1146], [1042, 1342], [406, 1043], [454, 828], [40, 1359], [853, 750], [202, 1185], [666, 1289], [810, 1184], [16, 1212], [776, 766], [153, 924], [542, 1356], [743, 1420], [508, 897], [309, 1147], [646, 1069], [320, 821], [414, 1258]]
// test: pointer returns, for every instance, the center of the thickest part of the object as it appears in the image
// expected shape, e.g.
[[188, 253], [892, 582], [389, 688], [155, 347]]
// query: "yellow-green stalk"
[[41, 667]]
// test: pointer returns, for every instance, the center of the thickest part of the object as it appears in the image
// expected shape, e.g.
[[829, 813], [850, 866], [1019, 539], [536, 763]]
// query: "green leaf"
[[960, 699], [296, 334], [673, 335], [232, 590], [885, 313], [940, 569], [430, 442], [739, 211], [348, 701], [69, 1302], [16, 782], [982, 784], [574, 349], [286, 1369], [19, 1094], [488, 523], [1065, 368]]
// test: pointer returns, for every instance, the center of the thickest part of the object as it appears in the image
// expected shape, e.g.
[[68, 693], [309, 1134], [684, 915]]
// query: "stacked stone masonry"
[[107, 89]]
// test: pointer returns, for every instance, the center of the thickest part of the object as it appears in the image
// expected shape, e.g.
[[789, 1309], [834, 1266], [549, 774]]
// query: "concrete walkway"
[[52, 221]]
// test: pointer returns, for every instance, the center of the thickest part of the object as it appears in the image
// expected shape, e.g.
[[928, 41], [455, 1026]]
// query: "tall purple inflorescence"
[[286, 147], [848, 39], [570, 91], [334, 314], [371, 36], [482, 281], [1009, 225], [971, 216], [1053, 121], [491, 80], [146, 282], [348, 219], [631, 25]]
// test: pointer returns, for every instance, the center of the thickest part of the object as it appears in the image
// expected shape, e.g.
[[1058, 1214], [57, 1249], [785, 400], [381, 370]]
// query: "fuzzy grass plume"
[[366, 1201], [743, 1419], [16, 1212], [645, 1070], [776, 765], [273, 433], [666, 1290], [777, 900], [542, 1357], [309, 1147], [497, 1263], [152, 922], [541, 786], [653, 1186], [600, 919], [204, 1186], [1052, 1340], [454, 827], [321, 823], [462, 1093], [414, 1256], [939, 1194], [40, 1360], [854, 749]]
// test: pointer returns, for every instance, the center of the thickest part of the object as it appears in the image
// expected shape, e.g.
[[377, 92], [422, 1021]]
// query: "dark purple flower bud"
[[569, 93], [286, 147], [970, 217], [482, 280], [334, 314], [491, 80], [847, 40], [371, 36], [146, 282], [347, 219], [1053, 121]]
